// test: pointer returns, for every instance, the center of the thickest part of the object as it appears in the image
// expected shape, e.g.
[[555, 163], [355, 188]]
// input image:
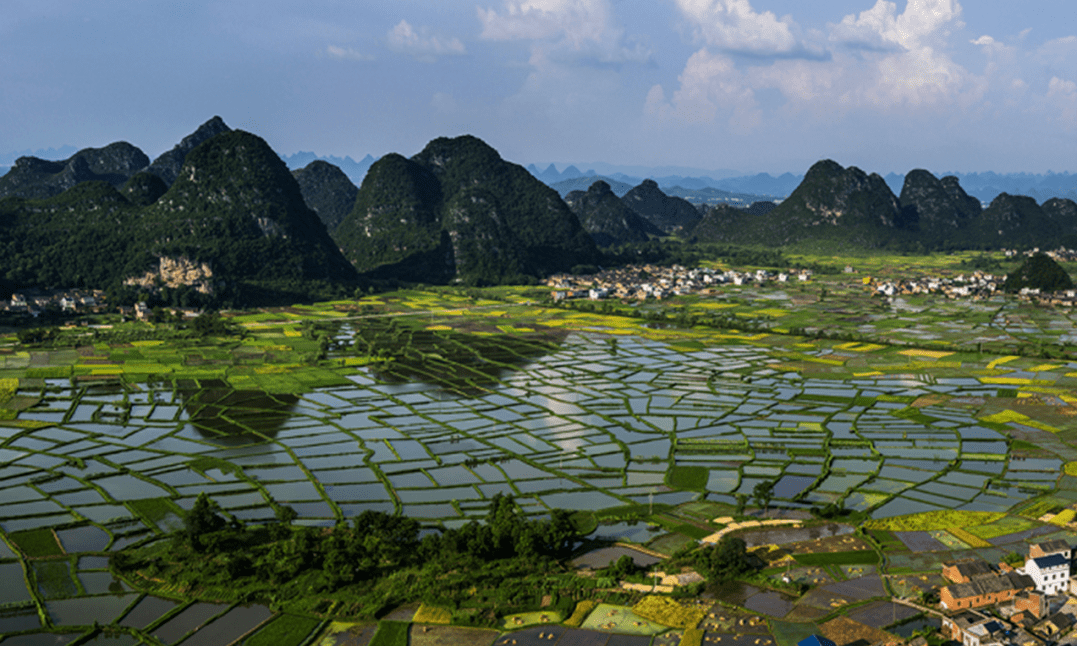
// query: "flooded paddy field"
[[596, 414]]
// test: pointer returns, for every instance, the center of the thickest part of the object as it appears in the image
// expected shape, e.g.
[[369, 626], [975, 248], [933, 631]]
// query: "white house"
[[1051, 573]]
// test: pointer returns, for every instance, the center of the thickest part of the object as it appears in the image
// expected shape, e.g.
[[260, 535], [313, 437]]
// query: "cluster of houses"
[[1033, 605], [640, 282], [977, 285], [33, 302]]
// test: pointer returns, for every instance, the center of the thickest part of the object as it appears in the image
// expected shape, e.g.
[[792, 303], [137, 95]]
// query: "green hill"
[[232, 229], [457, 210]]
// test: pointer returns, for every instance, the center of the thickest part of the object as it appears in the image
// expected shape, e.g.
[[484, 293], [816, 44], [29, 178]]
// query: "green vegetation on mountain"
[[457, 210], [34, 178], [606, 217], [1038, 272], [938, 209], [327, 191], [234, 209], [670, 214]]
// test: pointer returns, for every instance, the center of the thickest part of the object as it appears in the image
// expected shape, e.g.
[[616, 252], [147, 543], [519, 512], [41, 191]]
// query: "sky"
[[741, 85]]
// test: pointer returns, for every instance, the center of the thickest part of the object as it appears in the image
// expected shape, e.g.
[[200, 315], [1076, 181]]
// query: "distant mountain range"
[[221, 219]]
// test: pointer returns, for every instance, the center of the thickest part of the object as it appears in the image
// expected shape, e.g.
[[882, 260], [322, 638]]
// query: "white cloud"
[[1062, 97], [711, 87], [347, 53], [403, 38], [563, 30], [882, 27], [733, 26]]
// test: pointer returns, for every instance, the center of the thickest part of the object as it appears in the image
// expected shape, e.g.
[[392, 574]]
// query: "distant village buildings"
[[641, 282]]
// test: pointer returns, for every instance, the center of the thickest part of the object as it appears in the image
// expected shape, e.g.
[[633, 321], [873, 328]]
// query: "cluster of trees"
[[214, 548]]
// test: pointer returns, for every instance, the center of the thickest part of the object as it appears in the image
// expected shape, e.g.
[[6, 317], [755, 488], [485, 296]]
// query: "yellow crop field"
[[1009, 416], [1044, 367], [1000, 360], [583, 608], [8, 387], [930, 354], [666, 611], [1064, 517], [943, 519], [1070, 468], [432, 615], [967, 537]]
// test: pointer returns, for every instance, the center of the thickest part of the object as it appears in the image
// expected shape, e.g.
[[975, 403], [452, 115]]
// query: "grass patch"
[[691, 531], [583, 608], [972, 540], [688, 478], [37, 542], [862, 557], [887, 541], [520, 620], [621, 619], [391, 633], [666, 611], [53, 579], [285, 630], [1001, 527], [925, 521]]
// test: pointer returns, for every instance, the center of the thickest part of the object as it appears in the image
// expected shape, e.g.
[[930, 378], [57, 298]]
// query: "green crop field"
[[429, 402]]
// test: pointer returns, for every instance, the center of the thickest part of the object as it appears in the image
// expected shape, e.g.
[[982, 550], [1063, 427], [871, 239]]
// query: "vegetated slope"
[[236, 207], [670, 214], [327, 191], [607, 219], [167, 166], [233, 227], [1015, 221], [567, 186], [940, 209], [80, 238], [1038, 272], [457, 210], [34, 178], [722, 223], [832, 204]]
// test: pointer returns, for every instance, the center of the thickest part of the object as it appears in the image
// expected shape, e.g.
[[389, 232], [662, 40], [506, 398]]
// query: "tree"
[[762, 494], [724, 561], [202, 520]]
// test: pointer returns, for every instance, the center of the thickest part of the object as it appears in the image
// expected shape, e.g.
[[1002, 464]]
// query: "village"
[[991, 605], [640, 282]]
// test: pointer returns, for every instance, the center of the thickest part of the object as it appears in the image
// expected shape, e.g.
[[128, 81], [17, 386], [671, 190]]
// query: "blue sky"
[[749, 85]]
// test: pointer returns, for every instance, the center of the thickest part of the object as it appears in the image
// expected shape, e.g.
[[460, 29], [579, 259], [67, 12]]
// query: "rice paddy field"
[[428, 404]]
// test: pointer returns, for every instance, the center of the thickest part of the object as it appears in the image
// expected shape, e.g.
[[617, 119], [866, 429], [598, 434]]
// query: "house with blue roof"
[[816, 640], [1051, 573]]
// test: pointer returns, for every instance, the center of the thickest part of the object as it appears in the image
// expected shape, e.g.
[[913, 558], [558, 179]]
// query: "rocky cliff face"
[[327, 191], [168, 165], [34, 178], [670, 214], [938, 208], [174, 273], [457, 210], [606, 217]]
